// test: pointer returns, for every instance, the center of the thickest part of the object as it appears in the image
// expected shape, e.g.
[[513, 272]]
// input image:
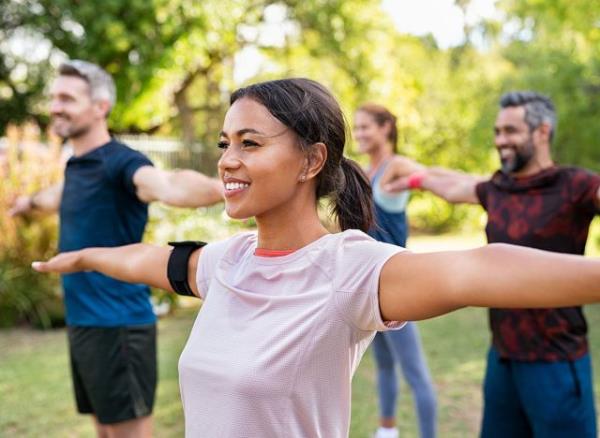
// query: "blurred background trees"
[[556, 48], [176, 62]]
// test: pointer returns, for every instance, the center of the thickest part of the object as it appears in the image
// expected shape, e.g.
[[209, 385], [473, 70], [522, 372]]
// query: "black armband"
[[177, 268]]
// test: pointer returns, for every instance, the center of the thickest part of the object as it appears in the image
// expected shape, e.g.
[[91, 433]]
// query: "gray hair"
[[538, 108], [102, 86]]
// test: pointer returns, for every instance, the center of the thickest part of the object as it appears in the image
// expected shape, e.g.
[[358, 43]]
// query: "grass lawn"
[[36, 397]]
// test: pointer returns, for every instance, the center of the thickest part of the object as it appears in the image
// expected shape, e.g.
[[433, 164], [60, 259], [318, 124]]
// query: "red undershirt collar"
[[262, 252]]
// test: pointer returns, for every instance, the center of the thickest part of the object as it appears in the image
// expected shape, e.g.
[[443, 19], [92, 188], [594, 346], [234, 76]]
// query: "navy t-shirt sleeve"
[[123, 165], [133, 163], [584, 190]]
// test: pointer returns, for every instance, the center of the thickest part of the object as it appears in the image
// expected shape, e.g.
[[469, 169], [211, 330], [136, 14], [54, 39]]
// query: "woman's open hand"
[[63, 263]]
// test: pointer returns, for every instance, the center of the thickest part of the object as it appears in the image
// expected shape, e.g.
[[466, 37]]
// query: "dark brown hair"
[[310, 110], [382, 115]]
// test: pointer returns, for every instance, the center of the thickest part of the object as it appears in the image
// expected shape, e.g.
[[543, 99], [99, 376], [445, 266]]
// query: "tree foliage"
[[555, 48], [175, 63]]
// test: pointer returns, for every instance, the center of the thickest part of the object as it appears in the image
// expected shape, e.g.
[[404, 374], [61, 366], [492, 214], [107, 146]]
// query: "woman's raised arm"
[[419, 286], [137, 263]]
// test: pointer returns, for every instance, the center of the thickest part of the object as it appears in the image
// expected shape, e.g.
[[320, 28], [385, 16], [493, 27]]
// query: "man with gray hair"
[[101, 84], [538, 379], [103, 201]]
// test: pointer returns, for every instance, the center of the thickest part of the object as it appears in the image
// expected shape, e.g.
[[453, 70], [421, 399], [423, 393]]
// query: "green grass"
[[36, 396], [37, 400]]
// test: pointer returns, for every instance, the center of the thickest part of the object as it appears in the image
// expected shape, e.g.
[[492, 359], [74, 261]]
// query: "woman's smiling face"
[[262, 164]]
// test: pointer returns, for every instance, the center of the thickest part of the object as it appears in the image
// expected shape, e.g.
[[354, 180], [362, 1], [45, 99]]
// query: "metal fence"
[[168, 153]]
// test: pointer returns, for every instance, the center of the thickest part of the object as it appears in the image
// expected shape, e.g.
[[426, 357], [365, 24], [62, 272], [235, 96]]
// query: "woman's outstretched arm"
[[138, 263], [419, 286]]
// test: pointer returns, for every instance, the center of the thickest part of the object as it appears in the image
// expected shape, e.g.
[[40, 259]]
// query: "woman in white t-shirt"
[[289, 311]]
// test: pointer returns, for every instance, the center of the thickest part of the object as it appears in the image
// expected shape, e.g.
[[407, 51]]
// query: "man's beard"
[[522, 157], [71, 131]]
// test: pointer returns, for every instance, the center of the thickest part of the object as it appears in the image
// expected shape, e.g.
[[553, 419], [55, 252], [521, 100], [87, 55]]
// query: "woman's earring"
[[303, 178]]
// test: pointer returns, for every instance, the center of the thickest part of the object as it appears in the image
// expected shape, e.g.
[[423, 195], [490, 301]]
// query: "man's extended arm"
[[453, 186], [178, 188]]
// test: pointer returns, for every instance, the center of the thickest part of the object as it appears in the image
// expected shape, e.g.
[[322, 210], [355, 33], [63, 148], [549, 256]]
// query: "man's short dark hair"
[[538, 108]]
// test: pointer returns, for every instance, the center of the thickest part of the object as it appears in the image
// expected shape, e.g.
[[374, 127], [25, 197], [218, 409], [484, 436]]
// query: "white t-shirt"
[[276, 343]]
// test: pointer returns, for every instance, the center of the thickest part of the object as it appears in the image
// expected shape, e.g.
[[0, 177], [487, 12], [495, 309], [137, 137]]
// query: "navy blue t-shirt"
[[391, 225], [99, 207]]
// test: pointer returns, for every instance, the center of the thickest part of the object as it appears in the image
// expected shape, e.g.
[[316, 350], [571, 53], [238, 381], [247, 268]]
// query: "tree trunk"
[[186, 115]]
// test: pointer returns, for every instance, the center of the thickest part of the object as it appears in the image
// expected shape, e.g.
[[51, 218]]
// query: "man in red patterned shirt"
[[538, 379]]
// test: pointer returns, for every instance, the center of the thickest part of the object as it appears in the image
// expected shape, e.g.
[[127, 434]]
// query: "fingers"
[[65, 263], [395, 175], [14, 210], [19, 206], [58, 264], [387, 177], [40, 266], [52, 266], [397, 185]]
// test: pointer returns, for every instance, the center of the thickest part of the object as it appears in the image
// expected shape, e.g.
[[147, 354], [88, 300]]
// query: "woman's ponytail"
[[353, 203]]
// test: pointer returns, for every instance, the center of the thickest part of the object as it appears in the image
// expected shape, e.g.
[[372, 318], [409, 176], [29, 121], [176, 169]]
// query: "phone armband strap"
[[177, 268]]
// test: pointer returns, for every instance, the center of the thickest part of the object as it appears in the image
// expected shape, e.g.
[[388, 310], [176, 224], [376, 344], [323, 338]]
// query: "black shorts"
[[114, 371]]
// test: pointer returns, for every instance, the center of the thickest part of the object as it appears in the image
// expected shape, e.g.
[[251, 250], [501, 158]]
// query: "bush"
[[26, 296], [430, 214]]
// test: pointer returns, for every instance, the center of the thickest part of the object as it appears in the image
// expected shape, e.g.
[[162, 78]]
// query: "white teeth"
[[235, 186]]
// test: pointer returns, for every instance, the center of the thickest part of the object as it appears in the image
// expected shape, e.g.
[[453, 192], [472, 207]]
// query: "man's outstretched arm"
[[178, 188], [453, 186]]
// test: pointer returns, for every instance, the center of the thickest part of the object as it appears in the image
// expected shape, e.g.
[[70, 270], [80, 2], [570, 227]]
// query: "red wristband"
[[415, 180]]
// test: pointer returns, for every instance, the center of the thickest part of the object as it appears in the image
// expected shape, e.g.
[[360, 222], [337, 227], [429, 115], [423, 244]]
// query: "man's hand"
[[46, 200], [20, 206], [397, 175]]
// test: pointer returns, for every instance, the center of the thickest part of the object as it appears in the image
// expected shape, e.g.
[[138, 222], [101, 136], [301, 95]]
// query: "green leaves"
[[175, 63], [561, 58]]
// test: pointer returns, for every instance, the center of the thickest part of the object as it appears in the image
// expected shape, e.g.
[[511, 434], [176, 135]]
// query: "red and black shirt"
[[550, 210]]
